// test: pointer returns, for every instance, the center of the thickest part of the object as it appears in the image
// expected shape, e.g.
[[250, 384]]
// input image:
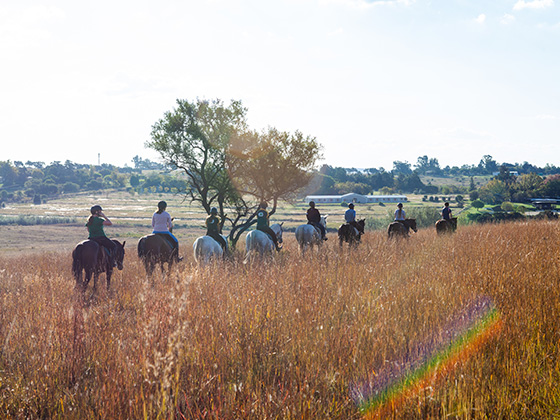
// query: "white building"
[[356, 198]]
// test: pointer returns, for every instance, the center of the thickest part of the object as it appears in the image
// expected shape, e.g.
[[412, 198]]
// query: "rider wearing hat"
[[262, 224], [95, 223], [314, 219], [213, 223], [162, 224], [350, 216]]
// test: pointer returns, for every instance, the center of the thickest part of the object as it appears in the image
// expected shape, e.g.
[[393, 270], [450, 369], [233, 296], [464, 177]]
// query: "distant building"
[[544, 203], [356, 198]]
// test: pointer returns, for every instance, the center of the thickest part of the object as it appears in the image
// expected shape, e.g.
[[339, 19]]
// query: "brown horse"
[[401, 228], [446, 226], [93, 259], [155, 249], [351, 233]]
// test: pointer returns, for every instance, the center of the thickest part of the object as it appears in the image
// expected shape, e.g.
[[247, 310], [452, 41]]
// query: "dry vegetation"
[[296, 338]]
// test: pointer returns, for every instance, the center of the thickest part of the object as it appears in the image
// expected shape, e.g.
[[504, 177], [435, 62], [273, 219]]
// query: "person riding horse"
[[400, 216], [162, 224], [446, 212], [314, 219], [350, 217], [263, 225], [95, 223], [213, 228]]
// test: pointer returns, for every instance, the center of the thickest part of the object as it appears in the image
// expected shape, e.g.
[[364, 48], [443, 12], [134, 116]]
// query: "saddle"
[[167, 239]]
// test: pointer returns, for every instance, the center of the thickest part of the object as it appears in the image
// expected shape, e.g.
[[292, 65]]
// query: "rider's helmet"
[[162, 205], [95, 209], [399, 205], [312, 204], [263, 205], [351, 205], [213, 210]]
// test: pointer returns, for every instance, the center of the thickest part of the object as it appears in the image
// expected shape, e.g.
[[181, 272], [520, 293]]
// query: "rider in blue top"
[[350, 214]]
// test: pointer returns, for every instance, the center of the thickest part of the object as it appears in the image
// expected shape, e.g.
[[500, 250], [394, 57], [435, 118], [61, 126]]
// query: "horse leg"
[[108, 275], [78, 277]]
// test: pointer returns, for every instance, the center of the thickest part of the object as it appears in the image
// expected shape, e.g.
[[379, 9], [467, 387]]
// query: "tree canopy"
[[229, 166]]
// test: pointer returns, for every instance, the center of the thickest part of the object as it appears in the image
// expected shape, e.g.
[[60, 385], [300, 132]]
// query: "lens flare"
[[391, 387]]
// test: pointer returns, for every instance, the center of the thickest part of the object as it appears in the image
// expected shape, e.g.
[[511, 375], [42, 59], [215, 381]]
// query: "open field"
[[131, 217], [314, 338]]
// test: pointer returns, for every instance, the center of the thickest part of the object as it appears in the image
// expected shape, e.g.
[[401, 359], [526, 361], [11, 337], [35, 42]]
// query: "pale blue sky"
[[373, 81]]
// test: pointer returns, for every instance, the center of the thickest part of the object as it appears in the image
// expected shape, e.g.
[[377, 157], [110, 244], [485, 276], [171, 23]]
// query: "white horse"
[[206, 248], [258, 243], [308, 235]]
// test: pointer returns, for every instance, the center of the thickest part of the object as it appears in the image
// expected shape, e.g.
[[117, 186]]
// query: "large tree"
[[195, 137], [229, 166]]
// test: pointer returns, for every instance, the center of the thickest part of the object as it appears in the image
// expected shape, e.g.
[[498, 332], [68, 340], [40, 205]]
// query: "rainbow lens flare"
[[392, 386]]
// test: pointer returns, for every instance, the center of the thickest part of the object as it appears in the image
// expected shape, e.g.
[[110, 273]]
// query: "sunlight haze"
[[373, 81]]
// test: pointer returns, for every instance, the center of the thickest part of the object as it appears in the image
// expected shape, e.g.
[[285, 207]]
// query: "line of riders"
[[162, 224]]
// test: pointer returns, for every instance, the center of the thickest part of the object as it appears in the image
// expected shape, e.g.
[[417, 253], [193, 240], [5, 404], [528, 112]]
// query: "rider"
[[314, 219], [213, 228], [446, 212], [350, 216], [95, 223], [262, 224], [400, 214], [162, 223]]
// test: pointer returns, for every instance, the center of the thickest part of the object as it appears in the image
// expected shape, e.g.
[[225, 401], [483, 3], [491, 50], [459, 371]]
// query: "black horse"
[[93, 259], [155, 249], [444, 226], [401, 228], [351, 233]]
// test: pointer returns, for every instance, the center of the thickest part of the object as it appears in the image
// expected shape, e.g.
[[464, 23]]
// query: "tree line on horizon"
[[39, 181]]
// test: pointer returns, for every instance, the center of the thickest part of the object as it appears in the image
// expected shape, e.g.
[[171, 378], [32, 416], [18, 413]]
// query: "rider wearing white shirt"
[[400, 214]]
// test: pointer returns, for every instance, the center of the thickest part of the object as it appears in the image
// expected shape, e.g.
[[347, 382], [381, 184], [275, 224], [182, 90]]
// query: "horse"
[[206, 248], [90, 257], [154, 249], [446, 226], [351, 234], [258, 243], [401, 228], [308, 235]]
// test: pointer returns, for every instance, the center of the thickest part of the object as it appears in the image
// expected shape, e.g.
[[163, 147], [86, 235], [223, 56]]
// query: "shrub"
[[477, 204]]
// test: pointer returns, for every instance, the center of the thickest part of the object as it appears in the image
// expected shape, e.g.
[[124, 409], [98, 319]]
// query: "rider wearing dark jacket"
[[262, 224], [314, 218], [213, 228]]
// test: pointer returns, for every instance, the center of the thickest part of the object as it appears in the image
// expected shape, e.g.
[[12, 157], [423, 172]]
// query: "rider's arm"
[[106, 222]]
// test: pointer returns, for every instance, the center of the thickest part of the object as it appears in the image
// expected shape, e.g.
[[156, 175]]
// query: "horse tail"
[[141, 248], [77, 262]]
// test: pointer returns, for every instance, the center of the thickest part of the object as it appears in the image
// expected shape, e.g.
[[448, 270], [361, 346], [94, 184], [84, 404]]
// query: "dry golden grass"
[[289, 339]]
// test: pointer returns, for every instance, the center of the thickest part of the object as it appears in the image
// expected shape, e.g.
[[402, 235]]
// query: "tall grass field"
[[456, 327]]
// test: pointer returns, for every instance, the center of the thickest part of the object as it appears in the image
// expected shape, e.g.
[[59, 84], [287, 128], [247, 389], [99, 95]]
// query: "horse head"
[[277, 228], [324, 220], [119, 253], [411, 223], [361, 226]]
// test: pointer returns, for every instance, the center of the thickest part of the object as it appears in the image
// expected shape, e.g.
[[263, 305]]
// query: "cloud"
[[481, 18], [507, 19], [534, 4], [366, 4], [543, 117]]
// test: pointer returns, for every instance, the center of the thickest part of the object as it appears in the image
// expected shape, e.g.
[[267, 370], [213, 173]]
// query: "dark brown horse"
[[155, 249], [446, 226], [401, 228], [351, 233], [93, 259]]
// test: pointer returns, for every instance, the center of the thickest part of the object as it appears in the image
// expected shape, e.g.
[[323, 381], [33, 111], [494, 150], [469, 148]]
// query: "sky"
[[373, 81]]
